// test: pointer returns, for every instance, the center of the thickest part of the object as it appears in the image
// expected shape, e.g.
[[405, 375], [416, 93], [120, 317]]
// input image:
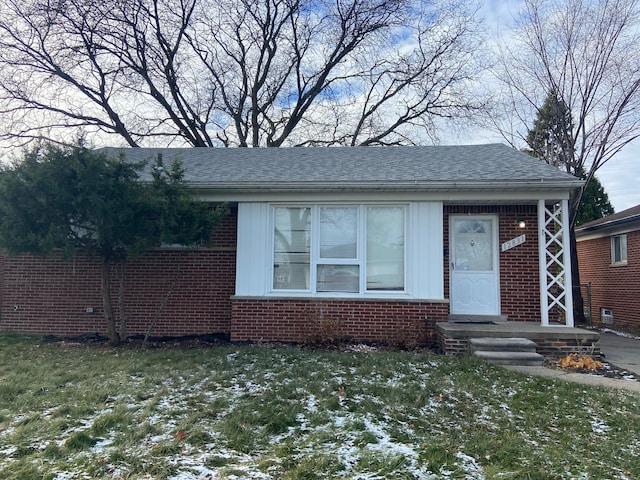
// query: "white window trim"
[[361, 260], [623, 240]]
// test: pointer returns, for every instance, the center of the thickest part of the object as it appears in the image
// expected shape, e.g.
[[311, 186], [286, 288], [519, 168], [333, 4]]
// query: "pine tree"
[[551, 138], [60, 200], [594, 203]]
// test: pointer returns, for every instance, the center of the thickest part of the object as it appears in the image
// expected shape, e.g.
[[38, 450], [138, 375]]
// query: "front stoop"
[[552, 341], [506, 351]]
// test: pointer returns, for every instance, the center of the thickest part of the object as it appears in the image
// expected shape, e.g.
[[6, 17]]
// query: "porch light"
[[522, 223]]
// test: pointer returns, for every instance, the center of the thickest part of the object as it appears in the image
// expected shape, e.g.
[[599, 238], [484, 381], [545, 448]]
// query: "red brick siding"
[[50, 296], [299, 320], [614, 287], [519, 270]]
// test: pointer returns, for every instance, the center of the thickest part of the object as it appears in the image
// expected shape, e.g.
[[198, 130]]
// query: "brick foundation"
[[303, 320], [552, 342]]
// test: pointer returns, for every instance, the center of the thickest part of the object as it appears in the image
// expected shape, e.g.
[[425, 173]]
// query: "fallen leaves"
[[580, 362]]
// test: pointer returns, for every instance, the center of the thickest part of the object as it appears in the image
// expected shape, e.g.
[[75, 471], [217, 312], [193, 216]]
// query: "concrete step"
[[511, 358], [463, 318], [504, 344]]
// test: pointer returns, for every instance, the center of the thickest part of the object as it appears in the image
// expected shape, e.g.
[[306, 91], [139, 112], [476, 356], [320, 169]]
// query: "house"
[[371, 243], [609, 259]]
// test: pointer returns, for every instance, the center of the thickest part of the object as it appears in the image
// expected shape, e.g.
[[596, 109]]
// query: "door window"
[[473, 243]]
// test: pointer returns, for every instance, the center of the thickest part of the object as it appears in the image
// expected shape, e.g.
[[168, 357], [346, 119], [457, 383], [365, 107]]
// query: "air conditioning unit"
[[606, 316]]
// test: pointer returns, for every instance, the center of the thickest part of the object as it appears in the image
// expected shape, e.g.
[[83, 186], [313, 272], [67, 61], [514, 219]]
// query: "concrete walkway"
[[620, 351]]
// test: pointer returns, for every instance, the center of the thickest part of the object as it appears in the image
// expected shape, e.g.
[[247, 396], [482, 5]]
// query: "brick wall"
[[51, 296], [302, 320], [519, 270], [615, 287]]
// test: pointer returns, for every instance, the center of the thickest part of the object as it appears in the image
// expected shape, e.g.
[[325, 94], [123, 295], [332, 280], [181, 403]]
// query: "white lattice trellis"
[[556, 299]]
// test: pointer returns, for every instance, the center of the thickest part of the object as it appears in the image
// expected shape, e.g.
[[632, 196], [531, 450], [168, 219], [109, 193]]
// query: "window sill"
[[619, 264], [360, 298]]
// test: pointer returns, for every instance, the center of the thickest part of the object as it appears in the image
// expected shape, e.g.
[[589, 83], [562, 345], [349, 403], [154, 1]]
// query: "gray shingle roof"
[[418, 168], [625, 217]]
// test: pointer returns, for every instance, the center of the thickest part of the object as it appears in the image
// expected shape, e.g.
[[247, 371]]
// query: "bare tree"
[[585, 55], [236, 72]]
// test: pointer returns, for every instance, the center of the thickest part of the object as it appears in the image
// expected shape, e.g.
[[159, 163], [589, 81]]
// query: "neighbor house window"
[[347, 249], [619, 249]]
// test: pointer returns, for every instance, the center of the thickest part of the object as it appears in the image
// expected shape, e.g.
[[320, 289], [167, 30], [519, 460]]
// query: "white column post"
[[554, 254], [566, 242], [542, 262]]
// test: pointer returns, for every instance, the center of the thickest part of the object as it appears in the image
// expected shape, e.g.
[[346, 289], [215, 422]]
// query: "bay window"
[[341, 249]]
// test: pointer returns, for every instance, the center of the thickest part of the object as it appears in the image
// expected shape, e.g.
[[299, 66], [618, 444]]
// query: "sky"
[[621, 175]]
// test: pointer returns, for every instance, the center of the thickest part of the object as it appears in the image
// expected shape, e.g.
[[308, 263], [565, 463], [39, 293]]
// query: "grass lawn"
[[70, 411]]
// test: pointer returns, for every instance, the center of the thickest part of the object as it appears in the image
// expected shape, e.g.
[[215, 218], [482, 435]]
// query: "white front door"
[[475, 280]]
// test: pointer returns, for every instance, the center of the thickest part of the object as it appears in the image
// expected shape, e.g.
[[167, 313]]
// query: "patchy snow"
[[620, 334], [599, 426], [349, 436], [470, 467]]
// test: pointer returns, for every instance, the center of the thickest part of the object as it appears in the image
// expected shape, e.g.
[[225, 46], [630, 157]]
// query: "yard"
[[76, 411]]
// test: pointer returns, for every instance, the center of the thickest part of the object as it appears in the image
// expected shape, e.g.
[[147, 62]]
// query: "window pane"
[[338, 278], [385, 248], [291, 248], [619, 243], [473, 245], [616, 249], [338, 232]]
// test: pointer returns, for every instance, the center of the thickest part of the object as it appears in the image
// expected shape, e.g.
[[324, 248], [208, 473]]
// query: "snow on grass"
[[470, 467], [274, 413]]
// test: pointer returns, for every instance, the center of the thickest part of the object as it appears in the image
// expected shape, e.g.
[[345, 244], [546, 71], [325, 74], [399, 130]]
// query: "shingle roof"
[[614, 220], [428, 167]]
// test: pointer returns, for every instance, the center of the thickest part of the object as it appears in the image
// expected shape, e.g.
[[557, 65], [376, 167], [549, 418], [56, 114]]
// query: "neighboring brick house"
[[609, 259], [373, 243]]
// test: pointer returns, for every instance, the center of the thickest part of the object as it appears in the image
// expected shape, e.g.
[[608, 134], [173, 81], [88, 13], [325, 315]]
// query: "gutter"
[[415, 186], [608, 225]]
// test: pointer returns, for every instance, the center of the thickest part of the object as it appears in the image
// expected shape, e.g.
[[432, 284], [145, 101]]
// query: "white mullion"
[[362, 248], [314, 247]]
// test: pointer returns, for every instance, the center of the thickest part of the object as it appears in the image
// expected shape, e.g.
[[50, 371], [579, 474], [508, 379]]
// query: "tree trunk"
[[578, 301], [121, 308], [114, 339], [176, 278]]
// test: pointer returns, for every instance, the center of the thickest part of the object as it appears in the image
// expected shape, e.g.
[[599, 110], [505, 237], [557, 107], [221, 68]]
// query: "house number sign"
[[514, 242]]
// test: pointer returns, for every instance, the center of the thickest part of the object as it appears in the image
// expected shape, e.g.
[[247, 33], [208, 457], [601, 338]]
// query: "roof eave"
[[605, 226], [415, 186]]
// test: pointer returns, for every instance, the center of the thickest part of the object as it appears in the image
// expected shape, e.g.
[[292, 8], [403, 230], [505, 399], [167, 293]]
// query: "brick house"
[[371, 243], [609, 259]]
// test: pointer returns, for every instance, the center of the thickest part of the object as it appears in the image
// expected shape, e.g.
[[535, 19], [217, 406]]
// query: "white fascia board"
[[499, 196], [416, 185]]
